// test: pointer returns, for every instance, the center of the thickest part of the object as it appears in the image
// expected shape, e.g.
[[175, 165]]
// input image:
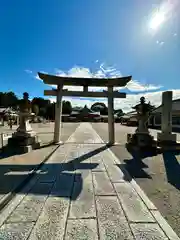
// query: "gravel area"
[[158, 176]]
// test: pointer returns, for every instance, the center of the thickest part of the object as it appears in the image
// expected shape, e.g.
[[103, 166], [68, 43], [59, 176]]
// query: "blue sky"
[[90, 38]]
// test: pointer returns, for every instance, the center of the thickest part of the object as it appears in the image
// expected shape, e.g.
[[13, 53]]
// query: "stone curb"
[[9, 196]]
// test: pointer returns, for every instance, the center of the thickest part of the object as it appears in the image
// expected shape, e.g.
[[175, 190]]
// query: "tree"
[[100, 107], [119, 112], [50, 111], [42, 105], [8, 99], [41, 102], [67, 107], [35, 109], [152, 107], [42, 112]]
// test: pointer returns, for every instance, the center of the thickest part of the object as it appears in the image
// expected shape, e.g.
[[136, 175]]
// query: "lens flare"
[[157, 20]]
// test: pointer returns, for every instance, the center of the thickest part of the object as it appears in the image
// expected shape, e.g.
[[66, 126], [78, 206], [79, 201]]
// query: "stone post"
[[166, 119], [58, 115], [111, 116]]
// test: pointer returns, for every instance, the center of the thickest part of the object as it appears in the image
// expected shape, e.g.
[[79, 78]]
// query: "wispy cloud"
[[160, 43], [28, 71]]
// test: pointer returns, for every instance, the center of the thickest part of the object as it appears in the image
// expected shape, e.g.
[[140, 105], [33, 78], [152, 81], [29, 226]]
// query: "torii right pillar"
[[166, 135], [111, 116]]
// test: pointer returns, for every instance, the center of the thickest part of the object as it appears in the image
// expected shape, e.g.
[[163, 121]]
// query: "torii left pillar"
[[58, 116]]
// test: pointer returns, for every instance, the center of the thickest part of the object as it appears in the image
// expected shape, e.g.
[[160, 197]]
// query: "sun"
[[157, 19]]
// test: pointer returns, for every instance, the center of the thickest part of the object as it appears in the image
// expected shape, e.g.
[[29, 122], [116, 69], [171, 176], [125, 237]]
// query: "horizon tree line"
[[45, 108]]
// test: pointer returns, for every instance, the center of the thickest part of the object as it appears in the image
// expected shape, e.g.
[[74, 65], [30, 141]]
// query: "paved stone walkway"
[[81, 193]]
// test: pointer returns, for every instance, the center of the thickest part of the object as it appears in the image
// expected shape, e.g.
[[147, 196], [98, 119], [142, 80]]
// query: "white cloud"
[[28, 71], [37, 77], [125, 104], [103, 72], [136, 86]]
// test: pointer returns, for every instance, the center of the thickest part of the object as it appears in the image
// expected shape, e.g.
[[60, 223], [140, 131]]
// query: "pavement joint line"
[[164, 224], [8, 197], [95, 205], [83, 218]]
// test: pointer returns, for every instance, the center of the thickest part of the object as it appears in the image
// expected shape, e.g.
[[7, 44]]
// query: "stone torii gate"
[[85, 83]]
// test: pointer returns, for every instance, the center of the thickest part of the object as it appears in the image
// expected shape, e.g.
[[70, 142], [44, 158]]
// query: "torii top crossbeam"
[[76, 81]]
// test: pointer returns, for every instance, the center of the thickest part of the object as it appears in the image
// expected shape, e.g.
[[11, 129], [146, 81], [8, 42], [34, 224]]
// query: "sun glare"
[[157, 19]]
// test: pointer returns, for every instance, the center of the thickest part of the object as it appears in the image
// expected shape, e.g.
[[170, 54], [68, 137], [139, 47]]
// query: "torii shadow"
[[56, 179]]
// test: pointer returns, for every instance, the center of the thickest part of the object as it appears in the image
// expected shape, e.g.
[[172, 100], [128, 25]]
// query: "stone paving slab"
[[112, 221], [79, 229], [97, 159], [133, 205], [148, 231], [52, 221], [31, 205], [102, 185], [115, 174], [83, 206], [63, 185], [16, 231]]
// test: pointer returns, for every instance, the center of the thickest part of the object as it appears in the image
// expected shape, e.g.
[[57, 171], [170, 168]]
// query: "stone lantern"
[[24, 139], [142, 138]]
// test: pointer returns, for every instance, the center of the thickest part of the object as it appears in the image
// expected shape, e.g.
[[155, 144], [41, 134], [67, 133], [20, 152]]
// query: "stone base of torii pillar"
[[24, 139]]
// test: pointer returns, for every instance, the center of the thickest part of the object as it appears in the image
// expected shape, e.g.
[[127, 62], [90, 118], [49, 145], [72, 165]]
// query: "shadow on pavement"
[[61, 175], [135, 166], [172, 168], [6, 152]]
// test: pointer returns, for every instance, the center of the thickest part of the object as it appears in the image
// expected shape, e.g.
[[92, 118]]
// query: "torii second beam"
[[103, 94]]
